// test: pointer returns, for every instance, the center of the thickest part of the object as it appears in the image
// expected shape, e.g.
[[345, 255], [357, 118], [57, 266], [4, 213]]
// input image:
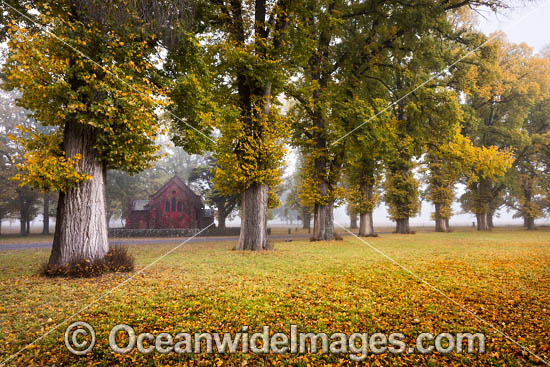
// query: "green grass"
[[344, 286]]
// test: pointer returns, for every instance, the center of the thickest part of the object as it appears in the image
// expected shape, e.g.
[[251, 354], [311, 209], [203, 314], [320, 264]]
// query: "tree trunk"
[[531, 223], [366, 226], [482, 224], [253, 235], [323, 222], [490, 220], [22, 215], [22, 227], [447, 226], [46, 214], [306, 218], [81, 225], [525, 222], [440, 223], [28, 224], [353, 222], [221, 219], [402, 226]]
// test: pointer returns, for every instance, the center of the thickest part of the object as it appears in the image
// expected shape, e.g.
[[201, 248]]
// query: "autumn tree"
[[425, 111], [313, 127], [364, 175], [505, 83], [239, 76], [442, 177], [440, 162], [527, 180], [449, 156], [361, 40], [87, 74], [21, 202], [363, 159]]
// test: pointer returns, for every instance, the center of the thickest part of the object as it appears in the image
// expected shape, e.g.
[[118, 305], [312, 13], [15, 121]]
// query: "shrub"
[[118, 259]]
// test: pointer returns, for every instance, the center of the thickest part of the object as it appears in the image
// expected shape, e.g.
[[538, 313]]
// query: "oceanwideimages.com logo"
[[80, 339]]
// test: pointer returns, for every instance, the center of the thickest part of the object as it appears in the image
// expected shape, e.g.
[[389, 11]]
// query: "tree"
[[528, 176], [505, 82], [363, 169], [292, 201], [203, 179], [313, 127], [364, 40], [363, 196], [239, 77], [104, 115], [27, 200], [442, 177], [352, 214], [7, 189], [10, 116], [47, 212], [443, 170], [423, 112], [16, 200]]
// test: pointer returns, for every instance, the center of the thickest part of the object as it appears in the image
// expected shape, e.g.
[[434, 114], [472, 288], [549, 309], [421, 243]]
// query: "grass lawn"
[[16, 238], [344, 286]]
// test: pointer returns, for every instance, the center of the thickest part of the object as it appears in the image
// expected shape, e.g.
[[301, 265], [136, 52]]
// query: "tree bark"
[[402, 226], [81, 225], [46, 214], [530, 223], [28, 225], [482, 224], [253, 236], [366, 226], [440, 222], [525, 222], [323, 222], [447, 226]]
